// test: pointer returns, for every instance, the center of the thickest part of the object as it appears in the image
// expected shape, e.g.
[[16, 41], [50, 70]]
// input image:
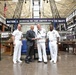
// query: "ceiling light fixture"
[[47, 1], [25, 1]]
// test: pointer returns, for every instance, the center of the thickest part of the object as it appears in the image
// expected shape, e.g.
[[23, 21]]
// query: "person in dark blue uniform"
[[30, 36]]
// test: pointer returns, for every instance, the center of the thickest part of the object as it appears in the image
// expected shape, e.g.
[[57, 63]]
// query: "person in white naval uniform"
[[41, 34], [53, 37], [17, 41]]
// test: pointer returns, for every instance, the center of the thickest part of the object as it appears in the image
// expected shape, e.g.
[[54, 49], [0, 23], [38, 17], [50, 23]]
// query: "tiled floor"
[[66, 65]]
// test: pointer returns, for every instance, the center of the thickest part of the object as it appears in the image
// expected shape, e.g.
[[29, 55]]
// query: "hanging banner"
[[36, 20], [12, 21]]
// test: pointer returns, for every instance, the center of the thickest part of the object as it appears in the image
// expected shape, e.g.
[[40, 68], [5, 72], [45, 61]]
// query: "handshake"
[[36, 38]]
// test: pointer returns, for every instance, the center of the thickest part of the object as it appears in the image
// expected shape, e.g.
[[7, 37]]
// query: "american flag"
[[5, 9]]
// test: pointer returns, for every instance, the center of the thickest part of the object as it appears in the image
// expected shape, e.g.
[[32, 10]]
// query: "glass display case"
[[6, 43], [66, 35], [67, 40]]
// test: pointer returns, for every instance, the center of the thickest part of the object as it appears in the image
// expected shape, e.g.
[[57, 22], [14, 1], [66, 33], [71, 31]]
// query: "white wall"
[[25, 27]]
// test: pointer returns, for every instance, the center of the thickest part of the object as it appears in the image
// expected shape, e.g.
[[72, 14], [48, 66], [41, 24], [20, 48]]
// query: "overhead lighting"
[[47, 1], [25, 1], [57, 0]]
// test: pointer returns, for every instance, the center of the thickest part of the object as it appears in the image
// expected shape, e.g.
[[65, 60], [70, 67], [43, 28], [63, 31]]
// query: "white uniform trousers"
[[42, 51], [17, 51], [53, 50]]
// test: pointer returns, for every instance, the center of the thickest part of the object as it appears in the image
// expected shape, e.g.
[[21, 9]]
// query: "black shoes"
[[39, 61], [31, 60], [26, 61]]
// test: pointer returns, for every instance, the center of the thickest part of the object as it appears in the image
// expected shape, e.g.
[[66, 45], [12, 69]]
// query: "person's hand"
[[33, 38], [14, 43], [38, 38]]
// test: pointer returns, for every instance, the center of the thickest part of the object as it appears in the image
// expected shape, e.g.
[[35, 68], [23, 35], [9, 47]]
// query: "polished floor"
[[66, 65]]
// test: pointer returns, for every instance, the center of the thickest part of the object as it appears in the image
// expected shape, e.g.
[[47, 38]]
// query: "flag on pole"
[[5, 9]]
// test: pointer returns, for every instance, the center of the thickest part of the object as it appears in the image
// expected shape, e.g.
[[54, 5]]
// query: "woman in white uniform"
[[53, 37], [17, 41]]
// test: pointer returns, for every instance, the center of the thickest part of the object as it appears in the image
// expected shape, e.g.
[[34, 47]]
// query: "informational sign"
[[36, 20], [12, 21]]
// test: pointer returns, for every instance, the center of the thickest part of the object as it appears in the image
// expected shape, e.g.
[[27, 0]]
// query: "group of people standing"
[[39, 37]]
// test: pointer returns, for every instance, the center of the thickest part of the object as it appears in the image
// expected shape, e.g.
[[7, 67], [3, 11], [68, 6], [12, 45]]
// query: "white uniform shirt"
[[41, 34], [17, 34], [52, 35]]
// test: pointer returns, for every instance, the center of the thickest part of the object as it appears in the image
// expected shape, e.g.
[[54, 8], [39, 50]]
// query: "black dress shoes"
[[31, 60], [45, 62], [39, 61], [26, 61]]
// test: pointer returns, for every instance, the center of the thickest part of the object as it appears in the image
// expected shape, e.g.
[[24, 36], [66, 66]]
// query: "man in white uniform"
[[41, 34], [53, 37], [17, 41]]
